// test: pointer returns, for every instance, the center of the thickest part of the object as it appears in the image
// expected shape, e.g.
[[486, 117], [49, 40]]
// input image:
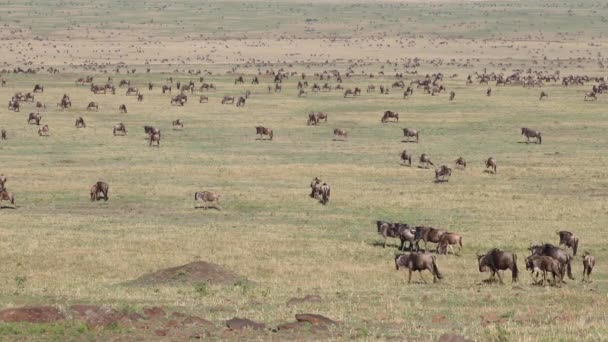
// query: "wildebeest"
[[14, 105], [177, 122], [140, 97], [154, 138], [590, 96], [452, 95], [495, 261], [240, 102], [44, 131], [569, 240], [428, 234], [262, 131], [34, 118], [397, 230], [410, 132], [123, 83], [588, 264], [208, 197], [3, 134], [325, 192], [543, 95], [390, 115], [340, 133], [6, 195], [315, 188], [120, 128], [122, 109], [530, 133], [99, 191], [38, 88], [543, 264], [228, 100], [166, 88], [80, 123], [491, 163], [489, 92], [92, 105], [556, 253], [406, 157], [446, 241], [442, 172], [315, 117], [178, 100], [98, 89], [425, 160], [203, 99], [460, 162], [418, 262], [132, 91]]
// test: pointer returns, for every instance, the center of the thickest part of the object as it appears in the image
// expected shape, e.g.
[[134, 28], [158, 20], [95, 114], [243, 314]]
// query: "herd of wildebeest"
[[544, 258]]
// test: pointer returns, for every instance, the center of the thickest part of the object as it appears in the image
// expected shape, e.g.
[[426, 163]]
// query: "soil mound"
[[190, 274]]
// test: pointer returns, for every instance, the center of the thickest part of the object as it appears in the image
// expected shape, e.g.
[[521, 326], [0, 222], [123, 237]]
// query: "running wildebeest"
[[530, 133], [325, 192], [543, 264], [122, 109], [406, 157], [590, 96], [208, 197], [100, 190], [38, 88], [92, 105], [495, 261], [177, 122], [569, 240], [397, 230], [425, 160], [442, 172], [428, 234], [44, 131], [491, 163], [240, 102], [460, 162], [556, 253], [543, 95], [228, 100], [418, 262], [446, 241], [120, 128], [262, 131], [6, 195], [588, 264], [390, 115], [34, 118], [80, 123], [410, 132], [340, 133]]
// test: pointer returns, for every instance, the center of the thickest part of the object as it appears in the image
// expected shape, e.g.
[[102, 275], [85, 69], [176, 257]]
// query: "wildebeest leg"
[[499, 277], [409, 276], [422, 277]]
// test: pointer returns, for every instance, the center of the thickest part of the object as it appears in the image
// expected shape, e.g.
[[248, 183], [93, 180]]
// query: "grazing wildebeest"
[[6, 195], [390, 115], [325, 192], [132, 91], [208, 197], [530, 133], [140, 97], [92, 105], [491, 163], [122, 109], [34, 118], [460, 162], [397, 230], [446, 241], [3, 134], [315, 188], [178, 100], [262, 131], [154, 138], [418, 262], [166, 88], [556, 253], [100, 190], [240, 102], [315, 117], [228, 100], [428, 234], [569, 240], [178, 122], [495, 261], [406, 157], [340, 133], [120, 128], [590, 96], [203, 98], [543, 264], [123, 83], [543, 95], [98, 89], [426, 160], [588, 264], [80, 123], [452, 95], [14, 105], [38, 88], [44, 131], [410, 132], [442, 172], [40, 105], [348, 92]]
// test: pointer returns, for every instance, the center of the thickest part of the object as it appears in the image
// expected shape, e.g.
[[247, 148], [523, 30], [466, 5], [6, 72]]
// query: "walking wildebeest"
[[240, 102], [460, 162], [442, 172], [495, 261], [530, 133], [177, 122], [6, 195], [410, 132], [122, 109], [390, 115], [100, 190], [80, 123], [397, 230], [340, 133], [428, 234], [44, 131], [491, 163], [569, 240], [120, 128], [556, 253], [325, 192], [208, 197], [426, 160], [418, 262], [35, 117], [406, 157], [446, 241], [588, 264], [543, 264], [262, 131]]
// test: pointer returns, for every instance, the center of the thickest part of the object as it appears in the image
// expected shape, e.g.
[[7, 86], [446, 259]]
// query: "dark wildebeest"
[[6, 195], [140, 97], [166, 88], [489, 92], [93, 105], [348, 92], [491, 163], [543, 95], [390, 115], [120, 128], [426, 160], [590, 96], [80, 123], [543, 264], [178, 122], [34, 118], [132, 91], [452, 95], [123, 83], [38, 88], [446, 241], [154, 138], [530, 133], [406, 157], [315, 188], [410, 132], [208, 197], [228, 100], [262, 131], [569, 240], [397, 230], [100, 190], [315, 117], [495, 261], [44, 131], [325, 192], [14, 105], [442, 172], [122, 109], [178, 100], [3, 134], [556, 253], [150, 86], [460, 162], [340, 133], [240, 102], [588, 264], [428, 234], [418, 262], [203, 98]]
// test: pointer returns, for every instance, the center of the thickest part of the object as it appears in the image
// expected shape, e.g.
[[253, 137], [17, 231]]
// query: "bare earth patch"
[[192, 273]]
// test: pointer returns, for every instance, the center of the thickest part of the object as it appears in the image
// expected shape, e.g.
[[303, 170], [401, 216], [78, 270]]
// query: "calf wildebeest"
[[228, 100], [442, 172], [177, 122], [397, 230], [410, 132], [262, 131], [122, 109], [92, 105], [390, 115], [166, 88], [569, 240], [425, 160], [588, 264], [428, 234], [120, 128], [203, 98], [44, 131], [208, 197], [240, 102], [495, 261], [100, 190], [446, 241], [6, 195], [418, 262], [3, 134], [406, 157], [34, 118], [491, 163], [543, 264], [530, 133], [460, 162], [590, 96], [154, 138], [80, 123], [452, 95], [556, 253], [340, 133], [325, 192], [543, 95], [38, 88]]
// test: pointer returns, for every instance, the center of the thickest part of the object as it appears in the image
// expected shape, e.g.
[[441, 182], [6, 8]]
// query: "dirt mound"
[[32, 314], [192, 273]]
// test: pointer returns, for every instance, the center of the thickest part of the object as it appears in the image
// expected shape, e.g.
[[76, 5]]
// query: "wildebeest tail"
[[195, 196], [435, 269], [515, 270]]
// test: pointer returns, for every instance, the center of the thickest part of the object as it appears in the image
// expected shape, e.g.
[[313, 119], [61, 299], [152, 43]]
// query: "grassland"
[[59, 248]]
